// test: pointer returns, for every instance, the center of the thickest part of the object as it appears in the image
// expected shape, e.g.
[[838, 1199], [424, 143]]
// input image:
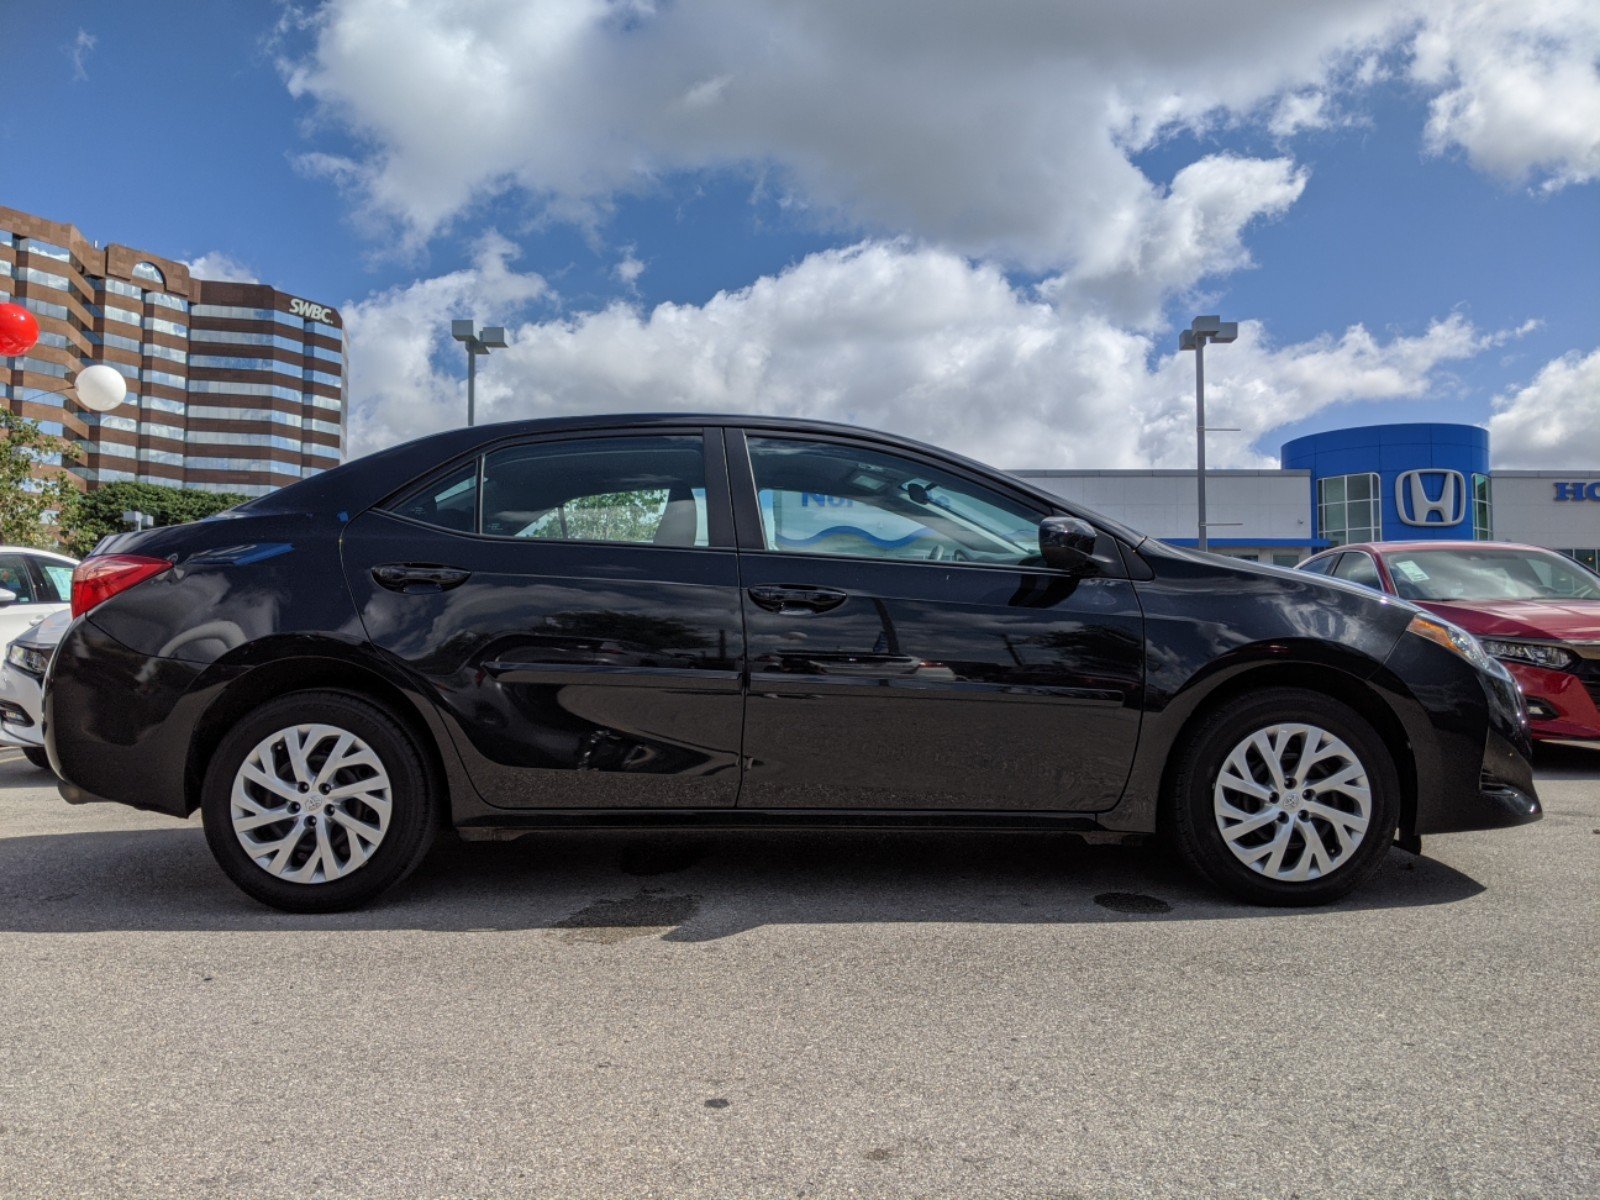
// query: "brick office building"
[[233, 387]]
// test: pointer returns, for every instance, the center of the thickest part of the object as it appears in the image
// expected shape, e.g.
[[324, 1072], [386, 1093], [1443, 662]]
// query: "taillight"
[[96, 580]]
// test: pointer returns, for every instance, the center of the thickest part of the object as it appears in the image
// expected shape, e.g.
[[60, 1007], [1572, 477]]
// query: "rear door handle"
[[413, 579], [796, 598]]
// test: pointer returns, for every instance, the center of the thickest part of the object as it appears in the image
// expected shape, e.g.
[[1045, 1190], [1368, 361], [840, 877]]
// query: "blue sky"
[[276, 137]]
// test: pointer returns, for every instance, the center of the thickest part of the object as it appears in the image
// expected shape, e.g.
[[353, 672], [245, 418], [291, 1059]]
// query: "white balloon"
[[100, 387]]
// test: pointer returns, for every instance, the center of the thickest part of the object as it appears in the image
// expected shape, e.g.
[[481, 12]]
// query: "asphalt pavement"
[[797, 1014]]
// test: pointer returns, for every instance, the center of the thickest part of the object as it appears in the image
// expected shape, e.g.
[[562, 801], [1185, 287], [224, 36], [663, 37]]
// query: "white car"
[[34, 584], [22, 674]]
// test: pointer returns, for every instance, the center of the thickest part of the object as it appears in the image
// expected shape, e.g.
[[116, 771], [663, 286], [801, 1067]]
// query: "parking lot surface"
[[797, 1014]]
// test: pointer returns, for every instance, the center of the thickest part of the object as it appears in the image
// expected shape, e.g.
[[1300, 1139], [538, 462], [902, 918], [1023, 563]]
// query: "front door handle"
[[413, 579], [796, 598]]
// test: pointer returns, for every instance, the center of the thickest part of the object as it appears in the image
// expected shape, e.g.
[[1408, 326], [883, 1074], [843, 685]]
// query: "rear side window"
[[1320, 566], [449, 503], [57, 578], [641, 490], [1359, 568]]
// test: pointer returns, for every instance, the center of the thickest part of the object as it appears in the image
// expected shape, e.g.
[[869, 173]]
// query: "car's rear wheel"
[[1285, 796], [37, 756], [318, 801]]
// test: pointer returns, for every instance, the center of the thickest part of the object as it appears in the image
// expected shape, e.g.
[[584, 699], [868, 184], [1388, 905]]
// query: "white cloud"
[[78, 50], [895, 336], [628, 269], [405, 370], [1002, 134], [216, 264], [1554, 421], [1517, 86], [1000, 131]]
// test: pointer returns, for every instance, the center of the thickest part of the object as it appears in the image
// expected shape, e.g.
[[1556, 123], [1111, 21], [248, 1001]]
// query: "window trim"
[[747, 504], [719, 519]]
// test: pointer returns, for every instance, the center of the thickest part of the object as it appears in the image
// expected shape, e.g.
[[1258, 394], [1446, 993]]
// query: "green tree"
[[27, 499], [90, 516]]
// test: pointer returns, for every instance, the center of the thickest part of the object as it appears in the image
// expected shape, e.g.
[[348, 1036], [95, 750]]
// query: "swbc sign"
[[312, 312], [1579, 491]]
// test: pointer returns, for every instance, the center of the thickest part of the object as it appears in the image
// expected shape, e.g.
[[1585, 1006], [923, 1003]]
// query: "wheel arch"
[[1350, 690], [304, 673]]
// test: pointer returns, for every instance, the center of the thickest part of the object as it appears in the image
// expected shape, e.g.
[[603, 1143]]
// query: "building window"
[[1349, 508], [1482, 508], [1589, 558], [151, 272]]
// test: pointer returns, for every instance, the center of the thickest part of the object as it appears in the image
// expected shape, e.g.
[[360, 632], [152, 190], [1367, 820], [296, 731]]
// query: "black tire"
[[1194, 822], [413, 817], [37, 756]]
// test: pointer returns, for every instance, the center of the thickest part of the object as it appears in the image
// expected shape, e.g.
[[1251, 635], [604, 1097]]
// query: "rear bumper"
[[117, 723]]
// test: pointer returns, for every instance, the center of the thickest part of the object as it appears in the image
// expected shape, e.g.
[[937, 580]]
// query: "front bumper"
[[1561, 704], [1469, 740]]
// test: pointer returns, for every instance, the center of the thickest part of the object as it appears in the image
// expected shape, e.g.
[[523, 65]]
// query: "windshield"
[[1472, 574]]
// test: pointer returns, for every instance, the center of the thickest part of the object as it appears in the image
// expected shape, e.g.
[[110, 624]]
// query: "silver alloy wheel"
[[310, 803], [1292, 802]]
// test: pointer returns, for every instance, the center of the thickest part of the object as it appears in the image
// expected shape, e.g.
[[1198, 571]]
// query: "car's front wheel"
[[1285, 796], [318, 801]]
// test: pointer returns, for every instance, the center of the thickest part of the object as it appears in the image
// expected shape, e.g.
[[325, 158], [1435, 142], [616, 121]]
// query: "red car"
[[1533, 609]]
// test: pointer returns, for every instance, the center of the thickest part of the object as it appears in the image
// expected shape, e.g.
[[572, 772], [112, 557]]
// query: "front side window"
[[15, 577], [1349, 508], [824, 498], [57, 580]]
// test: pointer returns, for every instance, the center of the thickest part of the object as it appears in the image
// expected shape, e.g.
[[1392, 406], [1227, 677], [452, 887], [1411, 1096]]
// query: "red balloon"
[[19, 329]]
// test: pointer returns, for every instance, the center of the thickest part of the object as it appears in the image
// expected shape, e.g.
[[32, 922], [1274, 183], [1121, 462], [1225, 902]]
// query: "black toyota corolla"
[[750, 622]]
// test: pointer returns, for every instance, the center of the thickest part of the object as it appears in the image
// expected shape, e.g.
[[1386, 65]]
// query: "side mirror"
[[1067, 544], [7, 596]]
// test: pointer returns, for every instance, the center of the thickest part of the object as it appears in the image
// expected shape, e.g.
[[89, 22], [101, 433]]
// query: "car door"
[[571, 602], [28, 606], [907, 647]]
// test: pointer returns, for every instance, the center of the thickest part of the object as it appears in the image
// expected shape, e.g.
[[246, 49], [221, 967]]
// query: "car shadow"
[[1567, 760], [610, 886]]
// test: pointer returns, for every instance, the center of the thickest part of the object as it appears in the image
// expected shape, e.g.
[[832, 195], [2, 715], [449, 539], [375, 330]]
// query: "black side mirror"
[[1067, 544]]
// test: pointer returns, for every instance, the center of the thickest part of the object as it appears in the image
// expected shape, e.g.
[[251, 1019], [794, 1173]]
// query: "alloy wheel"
[[311, 803], [1292, 802]]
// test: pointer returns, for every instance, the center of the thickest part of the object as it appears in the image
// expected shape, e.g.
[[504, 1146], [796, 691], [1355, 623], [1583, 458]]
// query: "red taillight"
[[96, 580]]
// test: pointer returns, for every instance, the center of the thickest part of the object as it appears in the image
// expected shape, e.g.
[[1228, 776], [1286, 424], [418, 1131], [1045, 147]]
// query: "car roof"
[[357, 485], [1420, 544], [36, 550]]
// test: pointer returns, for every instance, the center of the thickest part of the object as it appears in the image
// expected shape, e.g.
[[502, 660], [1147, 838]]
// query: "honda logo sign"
[[1432, 496]]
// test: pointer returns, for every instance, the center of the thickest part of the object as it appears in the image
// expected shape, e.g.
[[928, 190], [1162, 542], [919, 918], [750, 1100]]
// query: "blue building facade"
[[1397, 482]]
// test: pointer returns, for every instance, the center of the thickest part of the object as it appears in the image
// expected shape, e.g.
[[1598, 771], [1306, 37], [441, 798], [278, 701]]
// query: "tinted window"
[[450, 503], [1320, 566], [1359, 568], [824, 498], [14, 577], [643, 490]]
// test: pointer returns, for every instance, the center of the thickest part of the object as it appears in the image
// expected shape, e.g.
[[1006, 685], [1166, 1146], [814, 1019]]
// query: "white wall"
[[1270, 504], [1526, 510]]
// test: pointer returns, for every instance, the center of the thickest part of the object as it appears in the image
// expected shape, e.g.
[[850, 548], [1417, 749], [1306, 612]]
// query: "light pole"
[[477, 342], [1202, 330]]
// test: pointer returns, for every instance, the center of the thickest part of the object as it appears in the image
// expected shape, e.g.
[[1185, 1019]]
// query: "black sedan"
[[743, 621]]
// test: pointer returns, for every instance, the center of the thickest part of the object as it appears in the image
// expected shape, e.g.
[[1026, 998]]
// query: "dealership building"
[[1374, 483], [232, 387]]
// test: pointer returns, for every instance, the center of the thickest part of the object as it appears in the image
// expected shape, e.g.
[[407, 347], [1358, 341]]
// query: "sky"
[[978, 225]]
